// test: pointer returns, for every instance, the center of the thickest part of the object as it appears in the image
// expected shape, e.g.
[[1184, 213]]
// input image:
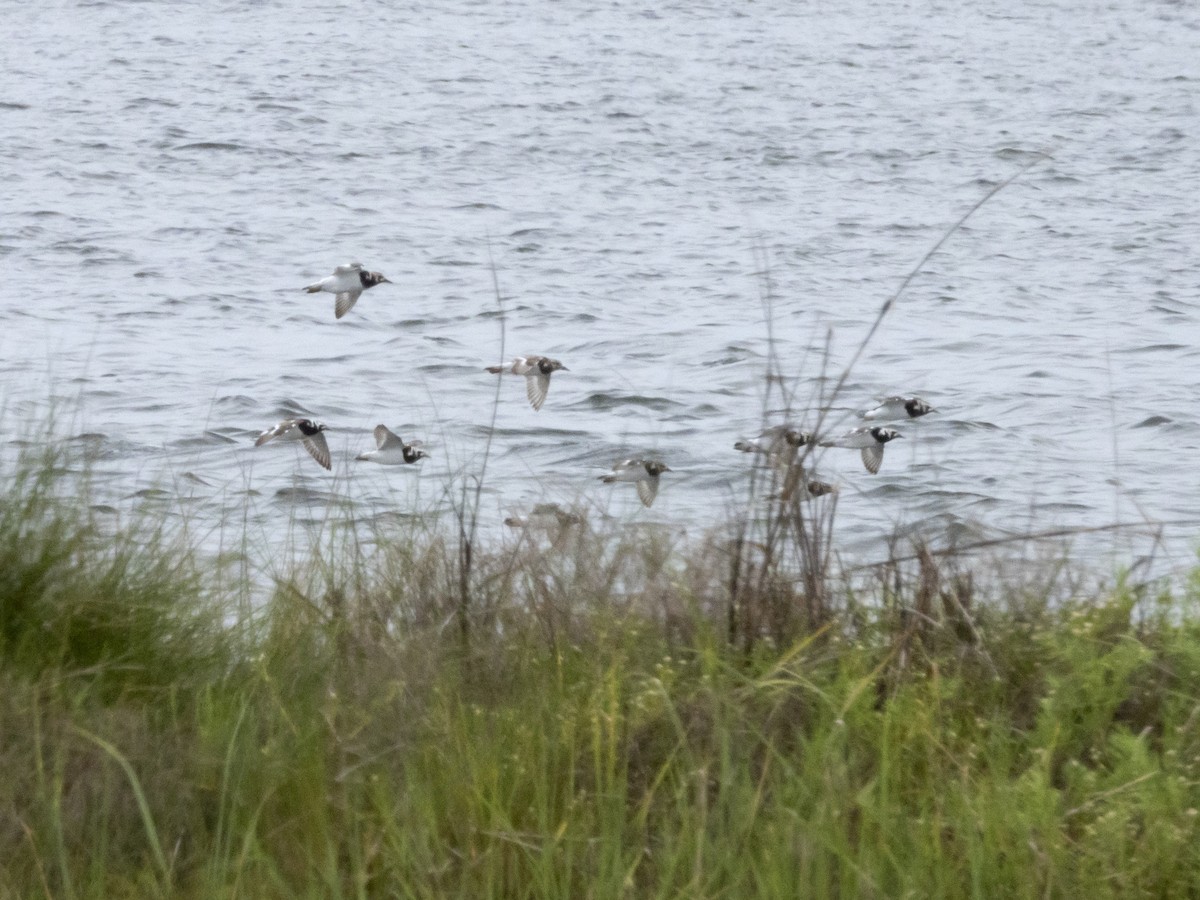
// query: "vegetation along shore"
[[580, 713]]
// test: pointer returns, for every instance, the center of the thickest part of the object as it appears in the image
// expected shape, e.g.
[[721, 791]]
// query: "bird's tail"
[[313, 288], [495, 370], [608, 479]]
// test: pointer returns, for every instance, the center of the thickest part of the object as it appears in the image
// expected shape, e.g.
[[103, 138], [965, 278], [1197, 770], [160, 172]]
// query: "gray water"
[[639, 178]]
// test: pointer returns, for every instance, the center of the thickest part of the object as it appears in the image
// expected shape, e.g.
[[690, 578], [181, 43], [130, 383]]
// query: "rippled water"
[[642, 177]]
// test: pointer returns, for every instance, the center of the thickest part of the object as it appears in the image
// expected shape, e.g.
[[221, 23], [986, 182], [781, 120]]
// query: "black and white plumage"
[[799, 486], [870, 440], [537, 371], [778, 443], [899, 408], [305, 430], [390, 449], [347, 284], [642, 472]]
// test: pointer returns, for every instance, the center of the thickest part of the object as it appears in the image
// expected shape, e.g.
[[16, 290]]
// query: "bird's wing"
[[855, 439], [345, 302], [348, 268], [535, 389], [385, 438], [318, 449], [622, 471], [273, 432], [793, 477], [773, 437], [872, 457], [783, 456], [647, 490]]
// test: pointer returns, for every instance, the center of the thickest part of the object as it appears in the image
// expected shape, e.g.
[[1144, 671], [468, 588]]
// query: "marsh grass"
[[936, 732], [417, 711]]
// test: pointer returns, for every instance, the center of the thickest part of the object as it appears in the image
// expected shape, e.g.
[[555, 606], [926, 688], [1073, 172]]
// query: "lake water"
[[639, 178]]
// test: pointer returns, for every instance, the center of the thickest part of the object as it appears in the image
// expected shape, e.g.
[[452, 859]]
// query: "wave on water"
[[213, 145], [305, 495], [601, 400], [1153, 421]]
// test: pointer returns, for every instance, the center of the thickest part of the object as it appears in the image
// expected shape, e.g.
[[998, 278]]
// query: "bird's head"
[[796, 438]]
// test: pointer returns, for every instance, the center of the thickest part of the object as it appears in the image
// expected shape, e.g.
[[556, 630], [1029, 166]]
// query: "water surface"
[[639, 179]]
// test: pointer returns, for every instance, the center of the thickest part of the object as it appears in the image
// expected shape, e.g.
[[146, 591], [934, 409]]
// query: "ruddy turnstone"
[[347, 283], [779, 443], [814, 488], [304, 430], [899, 408], [390, 450], [643, 472], [537, 371], [870, 440], [809, 488], [547, 516]]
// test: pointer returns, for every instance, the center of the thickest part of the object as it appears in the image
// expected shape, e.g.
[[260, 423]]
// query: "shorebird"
[[642, 472], [778, 443], [545, 516], [347, 284], [810, 488], [390, 450], [305, 430], [537, 371], [870, 440], [898, 408]]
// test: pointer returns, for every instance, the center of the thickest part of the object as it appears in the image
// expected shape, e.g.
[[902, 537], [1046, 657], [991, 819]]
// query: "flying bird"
[[808, 488], [545, 516], [870, 440], [304, 430], [390, 450], [537, 371], [347, 284], [642, 472], [778, 443], [899, 408]]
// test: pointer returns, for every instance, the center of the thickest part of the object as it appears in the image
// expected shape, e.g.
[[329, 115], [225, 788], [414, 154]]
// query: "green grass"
[[602, 731]]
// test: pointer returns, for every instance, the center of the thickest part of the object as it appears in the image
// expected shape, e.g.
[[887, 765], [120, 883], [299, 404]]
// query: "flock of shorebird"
[[781, 444]]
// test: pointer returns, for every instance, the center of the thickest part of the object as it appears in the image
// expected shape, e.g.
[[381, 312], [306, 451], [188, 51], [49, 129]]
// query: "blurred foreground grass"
[[622, 718]]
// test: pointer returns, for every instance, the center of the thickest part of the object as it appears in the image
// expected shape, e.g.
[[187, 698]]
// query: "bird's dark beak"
[[565, 369]]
